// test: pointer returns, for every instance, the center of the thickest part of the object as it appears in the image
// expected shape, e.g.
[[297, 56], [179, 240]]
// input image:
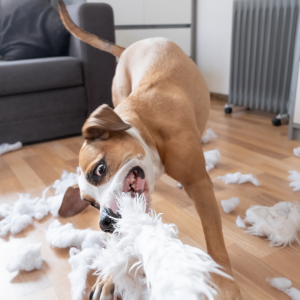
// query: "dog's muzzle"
[[107, 221]]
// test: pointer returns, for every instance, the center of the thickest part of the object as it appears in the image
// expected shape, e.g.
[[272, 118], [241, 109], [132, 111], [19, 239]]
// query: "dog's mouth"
[[135, 182]]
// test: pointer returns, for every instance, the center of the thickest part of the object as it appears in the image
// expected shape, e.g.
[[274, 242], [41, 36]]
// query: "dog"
[[161, 105]]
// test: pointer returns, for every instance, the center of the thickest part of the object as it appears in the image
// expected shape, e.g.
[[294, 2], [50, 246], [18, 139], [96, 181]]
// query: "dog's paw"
[[104, 289], [227, 288]]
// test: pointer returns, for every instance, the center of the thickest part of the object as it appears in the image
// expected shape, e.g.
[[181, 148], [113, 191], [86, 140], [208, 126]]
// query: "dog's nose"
[[106, 220]]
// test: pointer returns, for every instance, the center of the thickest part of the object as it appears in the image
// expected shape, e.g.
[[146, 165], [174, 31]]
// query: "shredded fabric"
[[238, 178], [9, 147], [17, 216], [144, 252], [240, 223], [230, 204], [295, 178], [212, 157], [285, 285], [297, 151], [280, 223], [208, 136], [28, 259]]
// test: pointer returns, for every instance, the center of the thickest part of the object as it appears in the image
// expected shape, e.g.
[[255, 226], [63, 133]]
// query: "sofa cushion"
[[40, 74]]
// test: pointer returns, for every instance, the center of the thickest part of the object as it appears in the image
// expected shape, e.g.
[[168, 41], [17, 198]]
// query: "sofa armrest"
[[98, 66]]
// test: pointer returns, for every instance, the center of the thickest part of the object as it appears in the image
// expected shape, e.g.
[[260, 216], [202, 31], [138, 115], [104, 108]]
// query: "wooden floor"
[[248, 143]]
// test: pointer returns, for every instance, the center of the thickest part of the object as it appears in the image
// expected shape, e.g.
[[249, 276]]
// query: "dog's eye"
[[100, 170], [95, 205]]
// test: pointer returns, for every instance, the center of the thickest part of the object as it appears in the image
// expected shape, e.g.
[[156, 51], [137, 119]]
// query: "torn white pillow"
[[285, 285], [297, 151], [230, 204], [295, 178], [208, 136], [212, 157], [238, 178], [9, 147], [240, 223], [279, 223], [144, 252], [27, 259]]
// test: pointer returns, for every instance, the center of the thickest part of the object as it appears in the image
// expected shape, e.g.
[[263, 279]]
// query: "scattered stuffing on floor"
[[28, 259], [240, 223], [285, 285], [230, 204], [295, 178], [208, 136], [280, 223], [238, 178], [297, 151], [9, 147], [144, 252], [212, 157], [17, 216], [88, 240]]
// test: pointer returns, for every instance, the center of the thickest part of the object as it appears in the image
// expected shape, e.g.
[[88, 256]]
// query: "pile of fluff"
[[85, 247], [148, 261], [238, 178], [280, 223], [285, 285], [15, 217], [208, 136]]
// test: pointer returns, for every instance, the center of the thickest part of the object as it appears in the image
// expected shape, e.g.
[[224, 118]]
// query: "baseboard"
[[219, 97]]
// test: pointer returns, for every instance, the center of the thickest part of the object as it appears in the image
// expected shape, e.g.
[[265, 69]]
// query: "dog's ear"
[[72, 203], [102, 122]]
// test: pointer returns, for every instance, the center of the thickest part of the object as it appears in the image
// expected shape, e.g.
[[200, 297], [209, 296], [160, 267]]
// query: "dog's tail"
[[85, 36]]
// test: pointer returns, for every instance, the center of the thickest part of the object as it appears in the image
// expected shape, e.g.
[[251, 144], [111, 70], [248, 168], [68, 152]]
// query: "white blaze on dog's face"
[[110, 167], [113, 159]]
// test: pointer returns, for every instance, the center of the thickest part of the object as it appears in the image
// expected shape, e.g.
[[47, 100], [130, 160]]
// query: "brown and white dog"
[[161, 109]]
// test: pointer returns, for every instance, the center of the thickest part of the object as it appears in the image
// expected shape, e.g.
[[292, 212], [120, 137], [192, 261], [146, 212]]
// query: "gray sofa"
[[42, 99]]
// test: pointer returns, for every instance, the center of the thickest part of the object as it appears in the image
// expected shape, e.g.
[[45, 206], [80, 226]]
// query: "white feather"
[[279, 223], [230, 204], [238, 178], [27, 259], [208, 136]]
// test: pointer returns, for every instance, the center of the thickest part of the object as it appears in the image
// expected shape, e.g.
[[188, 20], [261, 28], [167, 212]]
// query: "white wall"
[[214, 19], [296, 118]]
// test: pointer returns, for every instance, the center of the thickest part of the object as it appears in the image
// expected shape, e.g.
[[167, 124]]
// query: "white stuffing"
[[208, 136], [90, 241], [148, 261], [240, 223], [297, 151], [238, 178], [81, 265], [230, 204], [285, 285], [212, 157], [64, 236], [28, 259], [9, 147], [280, 223], [17, 216], [295, 178]]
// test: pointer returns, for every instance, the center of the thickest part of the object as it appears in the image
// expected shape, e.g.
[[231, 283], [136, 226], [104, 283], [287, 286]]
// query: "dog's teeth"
[[133, 186]]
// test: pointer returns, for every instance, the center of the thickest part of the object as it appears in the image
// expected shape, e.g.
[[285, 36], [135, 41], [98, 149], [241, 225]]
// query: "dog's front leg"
[[206, 205], [104, 289]]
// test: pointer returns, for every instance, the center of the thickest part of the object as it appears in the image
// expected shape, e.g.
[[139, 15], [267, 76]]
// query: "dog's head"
[[111, 162]]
